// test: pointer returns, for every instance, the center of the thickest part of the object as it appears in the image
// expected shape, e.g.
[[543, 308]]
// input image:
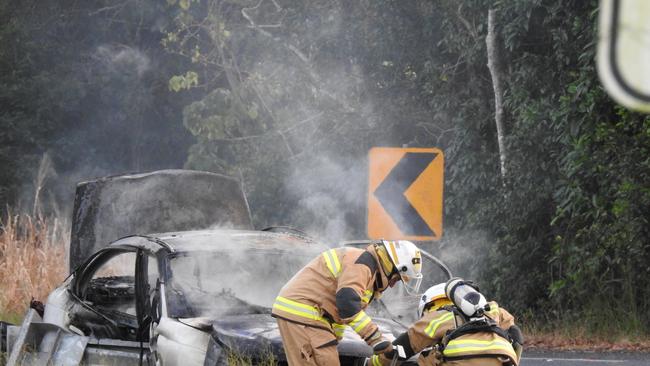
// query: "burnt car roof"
[[217, 240]]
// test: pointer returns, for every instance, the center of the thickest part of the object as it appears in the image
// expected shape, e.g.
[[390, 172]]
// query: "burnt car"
[[184, 298]]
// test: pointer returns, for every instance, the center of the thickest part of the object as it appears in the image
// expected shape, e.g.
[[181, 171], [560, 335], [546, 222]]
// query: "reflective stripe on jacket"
[[472, 346], [333, 290], [282, 304]]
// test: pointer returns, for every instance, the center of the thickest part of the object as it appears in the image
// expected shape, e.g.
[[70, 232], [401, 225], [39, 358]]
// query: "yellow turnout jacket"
[[333, 291]]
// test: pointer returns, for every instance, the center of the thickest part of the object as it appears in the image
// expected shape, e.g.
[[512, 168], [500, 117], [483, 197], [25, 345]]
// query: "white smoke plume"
[[121, 59]]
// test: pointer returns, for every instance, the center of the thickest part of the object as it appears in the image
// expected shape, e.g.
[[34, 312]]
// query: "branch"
[[109, 8], [304, 121], [494, 64], [470, 28], [252, 23], [265, 33], [246, 16]]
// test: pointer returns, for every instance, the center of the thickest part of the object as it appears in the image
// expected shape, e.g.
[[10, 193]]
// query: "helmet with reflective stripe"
[[407, 260], [432, 295]]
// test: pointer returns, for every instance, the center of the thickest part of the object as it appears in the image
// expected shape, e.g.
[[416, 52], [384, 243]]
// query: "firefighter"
[[332, 291], [458, 327]]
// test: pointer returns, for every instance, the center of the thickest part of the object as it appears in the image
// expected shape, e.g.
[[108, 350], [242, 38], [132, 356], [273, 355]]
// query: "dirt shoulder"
[[565, 343]]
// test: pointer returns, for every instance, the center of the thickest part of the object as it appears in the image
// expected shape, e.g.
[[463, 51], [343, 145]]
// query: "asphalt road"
[[538, 358]]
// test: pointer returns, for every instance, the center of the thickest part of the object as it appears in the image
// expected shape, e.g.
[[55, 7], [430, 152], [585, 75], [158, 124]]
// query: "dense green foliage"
[[290, 95], [569, 232]]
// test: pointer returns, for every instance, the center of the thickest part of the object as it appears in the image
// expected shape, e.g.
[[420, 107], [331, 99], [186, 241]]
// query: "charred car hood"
[[256, 335]]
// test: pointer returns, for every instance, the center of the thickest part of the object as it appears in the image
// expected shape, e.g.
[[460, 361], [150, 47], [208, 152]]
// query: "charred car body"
[[177, 298], [186, 298]]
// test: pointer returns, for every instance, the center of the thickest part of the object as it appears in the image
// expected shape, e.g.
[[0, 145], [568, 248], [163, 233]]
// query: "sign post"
[[405, 189]]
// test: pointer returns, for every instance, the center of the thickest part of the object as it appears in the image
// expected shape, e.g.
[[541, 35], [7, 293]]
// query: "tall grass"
[[32, 261], [238, 359]]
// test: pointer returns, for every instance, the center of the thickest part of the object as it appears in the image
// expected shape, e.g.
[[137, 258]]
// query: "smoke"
[[122, 59], [92, 90], [322, 83], [225, 274], [463, 251], [330, 197], [124, 122], [326, 121]]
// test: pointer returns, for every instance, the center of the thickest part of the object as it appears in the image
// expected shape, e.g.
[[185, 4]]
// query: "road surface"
[[539, 358]]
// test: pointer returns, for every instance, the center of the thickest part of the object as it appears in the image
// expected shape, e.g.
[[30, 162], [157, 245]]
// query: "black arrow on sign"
[[390, 193]]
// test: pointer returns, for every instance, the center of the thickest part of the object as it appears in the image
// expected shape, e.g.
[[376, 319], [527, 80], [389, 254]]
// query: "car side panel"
[[178, 344]]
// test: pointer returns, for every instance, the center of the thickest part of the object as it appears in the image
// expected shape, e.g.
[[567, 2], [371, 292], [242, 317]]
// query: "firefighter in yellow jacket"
[[465, 331], [333, 290]]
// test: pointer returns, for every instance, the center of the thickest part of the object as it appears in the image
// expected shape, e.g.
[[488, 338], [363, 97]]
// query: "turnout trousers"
[[305, 345]]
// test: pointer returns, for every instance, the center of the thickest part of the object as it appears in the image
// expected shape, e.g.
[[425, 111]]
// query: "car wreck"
[[184, 298], [191, 297]]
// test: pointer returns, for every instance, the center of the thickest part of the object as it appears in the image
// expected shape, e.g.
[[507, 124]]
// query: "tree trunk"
[[496, 71]]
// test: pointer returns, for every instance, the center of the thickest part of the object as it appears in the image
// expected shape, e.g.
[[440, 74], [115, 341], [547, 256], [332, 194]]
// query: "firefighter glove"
[[382, 346]]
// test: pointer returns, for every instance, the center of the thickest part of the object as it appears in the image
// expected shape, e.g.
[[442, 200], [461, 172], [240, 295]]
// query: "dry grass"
[[575, 336], [237, 359], [586, 342], [32, 261]]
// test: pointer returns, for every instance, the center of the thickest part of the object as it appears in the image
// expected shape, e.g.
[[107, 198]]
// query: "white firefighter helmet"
[[431, 295], [466, 297], [407, 260]]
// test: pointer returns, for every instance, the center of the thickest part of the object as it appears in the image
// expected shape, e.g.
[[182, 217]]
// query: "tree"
[[494, 64], [287, 97]]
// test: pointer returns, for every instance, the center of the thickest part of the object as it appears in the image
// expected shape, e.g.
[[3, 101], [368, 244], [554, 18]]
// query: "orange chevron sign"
[[405, 188]]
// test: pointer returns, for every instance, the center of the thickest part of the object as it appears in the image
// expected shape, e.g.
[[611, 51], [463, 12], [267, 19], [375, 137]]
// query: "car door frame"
[[83, 275]]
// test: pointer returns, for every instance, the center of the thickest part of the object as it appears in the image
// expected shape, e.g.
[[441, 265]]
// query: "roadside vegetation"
[[32, 262], [578, 337], [239, 359]]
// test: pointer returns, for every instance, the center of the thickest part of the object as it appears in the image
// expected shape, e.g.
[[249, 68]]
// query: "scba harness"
[[453, 347]]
